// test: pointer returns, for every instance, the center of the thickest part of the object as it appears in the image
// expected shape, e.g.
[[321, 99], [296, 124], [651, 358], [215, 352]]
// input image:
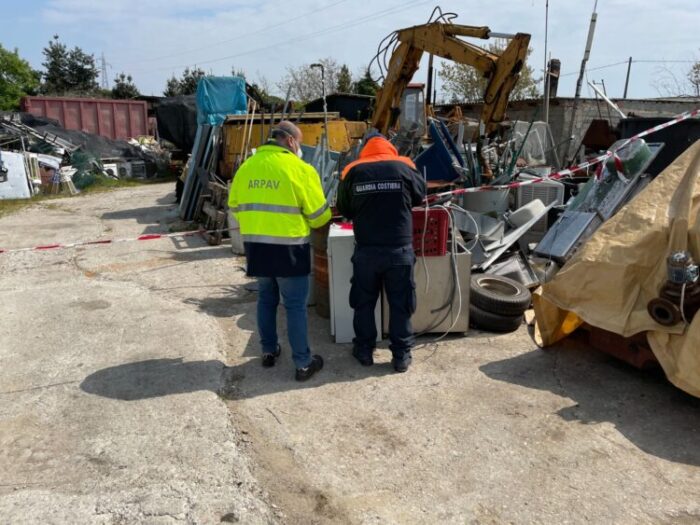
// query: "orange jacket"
[[377, 149]]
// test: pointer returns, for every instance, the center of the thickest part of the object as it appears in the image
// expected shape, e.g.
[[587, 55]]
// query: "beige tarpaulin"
[[609, 282]]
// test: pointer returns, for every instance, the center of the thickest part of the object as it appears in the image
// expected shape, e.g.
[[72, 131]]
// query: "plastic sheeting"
[[609, 282], [177, 120], [218, 97]]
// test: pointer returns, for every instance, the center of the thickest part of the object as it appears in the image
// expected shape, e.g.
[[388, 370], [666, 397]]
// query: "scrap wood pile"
[[37, 155]]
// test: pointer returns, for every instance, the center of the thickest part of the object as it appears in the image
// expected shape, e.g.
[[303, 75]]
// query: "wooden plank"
[[293, 117]]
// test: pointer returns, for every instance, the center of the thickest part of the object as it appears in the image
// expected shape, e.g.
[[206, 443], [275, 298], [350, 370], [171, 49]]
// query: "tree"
[[366, 85], [344, 80], [464, 83], [185, 85], [172, 87], [124, 87], [17, 79], [305, 81], [237, 72], [68, 71], [694, 78], [56, 67], [82, 72], [669, 81]]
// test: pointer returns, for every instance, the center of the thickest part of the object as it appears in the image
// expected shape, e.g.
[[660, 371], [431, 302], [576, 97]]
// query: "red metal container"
[[114, 119]]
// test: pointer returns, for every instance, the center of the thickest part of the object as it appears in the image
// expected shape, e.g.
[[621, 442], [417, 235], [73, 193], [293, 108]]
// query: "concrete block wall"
[[560, 110]]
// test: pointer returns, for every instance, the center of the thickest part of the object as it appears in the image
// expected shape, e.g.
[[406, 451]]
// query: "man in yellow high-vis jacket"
[[277, 198]]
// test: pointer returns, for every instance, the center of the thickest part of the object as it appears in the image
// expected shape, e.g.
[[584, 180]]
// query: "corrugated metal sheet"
[[114, 119]]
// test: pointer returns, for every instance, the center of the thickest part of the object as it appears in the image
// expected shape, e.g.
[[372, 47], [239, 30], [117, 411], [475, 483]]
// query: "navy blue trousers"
[[390, 268]]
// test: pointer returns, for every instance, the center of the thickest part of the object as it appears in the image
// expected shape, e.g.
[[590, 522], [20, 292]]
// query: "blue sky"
[[152, 39]]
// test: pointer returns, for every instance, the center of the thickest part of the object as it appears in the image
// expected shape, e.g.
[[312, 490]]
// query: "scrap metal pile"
[[37, 155], [510, 209]]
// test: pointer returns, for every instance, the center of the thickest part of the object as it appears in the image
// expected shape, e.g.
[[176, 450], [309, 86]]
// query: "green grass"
[[103, 184], [8, 207], [12, 206]]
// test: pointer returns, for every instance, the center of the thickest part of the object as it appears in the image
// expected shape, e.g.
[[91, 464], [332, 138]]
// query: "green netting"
[[89, 169]]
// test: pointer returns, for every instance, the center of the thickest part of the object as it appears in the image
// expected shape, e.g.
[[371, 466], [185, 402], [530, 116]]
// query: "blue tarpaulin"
[[218, 97]]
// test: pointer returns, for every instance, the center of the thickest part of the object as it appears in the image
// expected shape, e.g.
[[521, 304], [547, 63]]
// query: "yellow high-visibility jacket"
[[277, 198]]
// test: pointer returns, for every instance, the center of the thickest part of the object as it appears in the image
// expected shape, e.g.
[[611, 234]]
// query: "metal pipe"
[[493, 34], [610, 102], [324, 140]]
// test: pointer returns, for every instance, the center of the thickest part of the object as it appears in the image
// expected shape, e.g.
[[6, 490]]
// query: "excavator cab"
[[413, 110]]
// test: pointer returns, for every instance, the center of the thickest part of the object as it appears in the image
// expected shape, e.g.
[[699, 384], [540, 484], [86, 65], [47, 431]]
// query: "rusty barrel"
[[319, 242]]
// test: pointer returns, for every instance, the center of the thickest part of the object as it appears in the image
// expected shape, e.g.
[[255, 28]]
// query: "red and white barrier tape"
[[144, 237], [570, 171], [554, 176]]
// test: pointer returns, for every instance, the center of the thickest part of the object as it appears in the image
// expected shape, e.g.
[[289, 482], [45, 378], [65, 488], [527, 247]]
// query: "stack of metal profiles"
[[203, 161], [216, 98]]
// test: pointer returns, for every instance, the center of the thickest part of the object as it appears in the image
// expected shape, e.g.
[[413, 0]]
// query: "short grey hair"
[[286, 129]]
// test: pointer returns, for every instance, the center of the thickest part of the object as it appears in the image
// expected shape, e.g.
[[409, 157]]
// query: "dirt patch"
[[92, 305], [284, 479]]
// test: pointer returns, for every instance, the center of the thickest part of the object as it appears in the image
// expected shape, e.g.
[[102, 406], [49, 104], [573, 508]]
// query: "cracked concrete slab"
[[109, 394]]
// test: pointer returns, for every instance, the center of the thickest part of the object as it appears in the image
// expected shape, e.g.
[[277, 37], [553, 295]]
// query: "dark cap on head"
[[373, 134]]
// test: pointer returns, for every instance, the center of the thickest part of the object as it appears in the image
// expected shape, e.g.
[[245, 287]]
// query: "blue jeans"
[[294, 291]]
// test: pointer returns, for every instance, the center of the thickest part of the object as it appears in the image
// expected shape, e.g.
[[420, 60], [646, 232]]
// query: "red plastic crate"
[[432, 242]]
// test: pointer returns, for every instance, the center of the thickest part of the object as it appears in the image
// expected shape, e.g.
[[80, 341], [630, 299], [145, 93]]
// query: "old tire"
[[499, 295], [493, 322]]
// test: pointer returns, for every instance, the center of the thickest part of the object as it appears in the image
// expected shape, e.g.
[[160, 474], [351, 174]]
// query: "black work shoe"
[[362, 357], [305, 373], [401, 365], [269, 359]]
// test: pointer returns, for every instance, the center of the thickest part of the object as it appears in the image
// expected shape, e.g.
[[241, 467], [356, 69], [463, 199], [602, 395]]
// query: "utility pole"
[[546, 64], [579, 82], [627, 79]]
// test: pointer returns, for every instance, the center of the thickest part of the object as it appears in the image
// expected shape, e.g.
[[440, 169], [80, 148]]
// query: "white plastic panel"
[[17, 184]]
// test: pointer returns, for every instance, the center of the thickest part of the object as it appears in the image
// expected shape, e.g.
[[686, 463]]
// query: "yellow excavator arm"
[[440, 39]]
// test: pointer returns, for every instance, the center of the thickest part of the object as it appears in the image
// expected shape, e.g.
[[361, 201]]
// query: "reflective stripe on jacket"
[[277, 198]]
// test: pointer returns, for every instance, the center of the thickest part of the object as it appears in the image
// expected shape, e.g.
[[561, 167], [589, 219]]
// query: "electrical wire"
[[456, 274], [456, 287], [323, 32], [477, 236], [625, 62], [389, 43], [244, 35]]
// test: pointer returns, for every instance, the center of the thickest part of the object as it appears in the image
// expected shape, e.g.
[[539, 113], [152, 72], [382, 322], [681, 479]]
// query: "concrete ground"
[[131, 391]]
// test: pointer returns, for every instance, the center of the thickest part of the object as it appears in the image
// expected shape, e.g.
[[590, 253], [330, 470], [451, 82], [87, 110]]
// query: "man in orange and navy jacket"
[[377, 192]]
